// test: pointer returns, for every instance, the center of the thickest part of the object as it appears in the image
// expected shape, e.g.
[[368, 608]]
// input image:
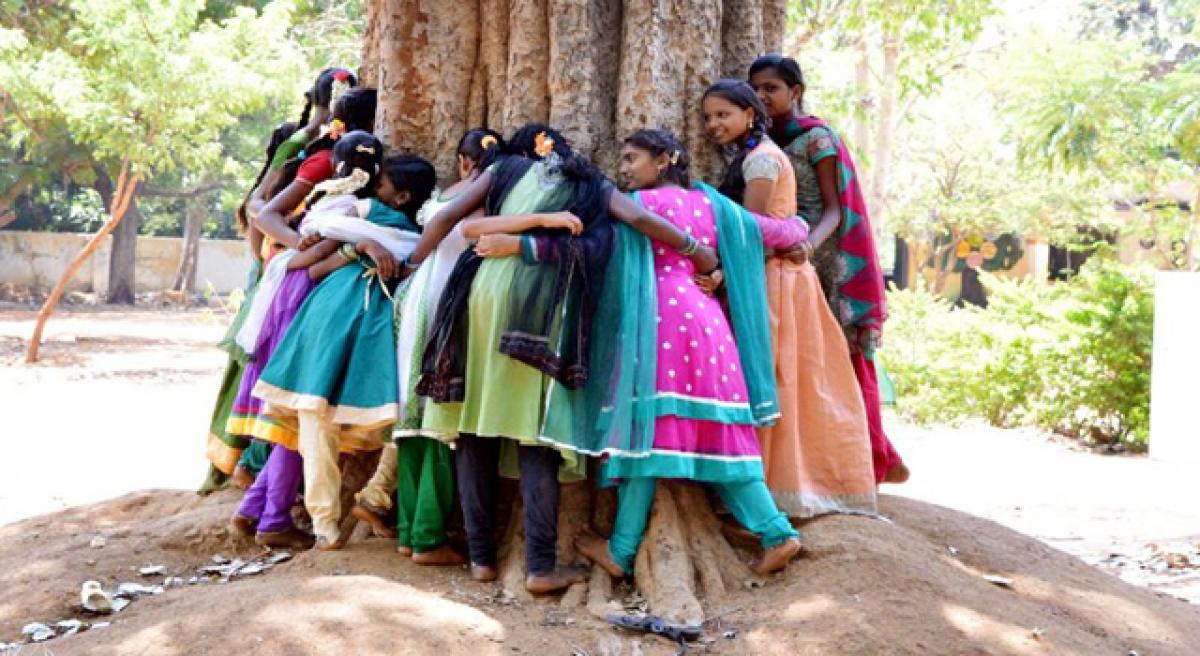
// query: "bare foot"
[[371, 516], [241, 477], [595, 548], [483, 573], [325, 544], [243, 526], [777, 557], [444, 556], [560, 579], [292, 538], [897, 474], [404, 551]]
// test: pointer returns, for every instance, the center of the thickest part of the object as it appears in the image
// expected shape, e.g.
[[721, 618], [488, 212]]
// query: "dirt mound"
[[866, 586]]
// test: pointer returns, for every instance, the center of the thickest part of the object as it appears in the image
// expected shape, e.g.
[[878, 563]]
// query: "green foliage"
[[187, 89], [1072, 357]]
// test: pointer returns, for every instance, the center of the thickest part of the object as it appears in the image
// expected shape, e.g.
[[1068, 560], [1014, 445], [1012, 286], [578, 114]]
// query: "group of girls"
[[530, 317]]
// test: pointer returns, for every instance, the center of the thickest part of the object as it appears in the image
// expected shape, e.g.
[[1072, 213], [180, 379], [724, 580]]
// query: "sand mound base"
[[864, 587]]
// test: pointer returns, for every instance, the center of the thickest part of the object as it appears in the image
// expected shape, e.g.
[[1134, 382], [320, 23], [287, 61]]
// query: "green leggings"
[[424, 492], [255, 456], [749, 501]]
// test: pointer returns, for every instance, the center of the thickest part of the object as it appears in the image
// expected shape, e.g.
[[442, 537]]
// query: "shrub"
[[1072, 357]]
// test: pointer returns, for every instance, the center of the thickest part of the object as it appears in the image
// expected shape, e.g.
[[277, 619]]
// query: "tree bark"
[[122, 262], [120, 197], [596, 70], [185, 276]]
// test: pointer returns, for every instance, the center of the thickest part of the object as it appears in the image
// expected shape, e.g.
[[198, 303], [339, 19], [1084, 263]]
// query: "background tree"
[[141, 88]]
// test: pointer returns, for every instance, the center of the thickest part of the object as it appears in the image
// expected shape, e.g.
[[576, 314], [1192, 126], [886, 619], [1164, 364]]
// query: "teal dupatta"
[[615, 412]]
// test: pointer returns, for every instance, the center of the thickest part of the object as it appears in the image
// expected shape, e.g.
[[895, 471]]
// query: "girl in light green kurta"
[[508, 330]]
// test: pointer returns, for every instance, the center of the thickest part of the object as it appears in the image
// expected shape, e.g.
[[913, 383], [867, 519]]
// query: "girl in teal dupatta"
[[334, 372], [673, 393]]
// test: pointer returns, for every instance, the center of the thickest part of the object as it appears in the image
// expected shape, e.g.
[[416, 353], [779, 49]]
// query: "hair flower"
[[487, 141], [544, 145], [336, 129], [341, 75]]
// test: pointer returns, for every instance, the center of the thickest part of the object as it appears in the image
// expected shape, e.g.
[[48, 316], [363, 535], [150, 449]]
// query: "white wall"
[[36, 259]]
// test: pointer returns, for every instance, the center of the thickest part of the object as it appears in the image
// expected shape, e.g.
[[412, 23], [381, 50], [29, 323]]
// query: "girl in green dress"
[[509, 330]]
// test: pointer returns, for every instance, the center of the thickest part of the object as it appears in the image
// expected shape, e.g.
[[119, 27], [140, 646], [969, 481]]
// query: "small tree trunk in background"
[[122, 262], [121, 196], [185, 277], [884, 138], [862, 87]]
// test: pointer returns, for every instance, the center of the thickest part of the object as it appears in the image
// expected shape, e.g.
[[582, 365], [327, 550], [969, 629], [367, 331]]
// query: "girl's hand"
[[710, 283], [706, 260], [308, 242], [799, 254], [563, 220], [381, 256], [498, 245]]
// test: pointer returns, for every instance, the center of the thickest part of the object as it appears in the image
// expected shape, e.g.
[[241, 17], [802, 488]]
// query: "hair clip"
[[363, 148]]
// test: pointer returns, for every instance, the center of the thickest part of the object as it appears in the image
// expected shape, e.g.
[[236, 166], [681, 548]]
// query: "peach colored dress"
[[817, 457]]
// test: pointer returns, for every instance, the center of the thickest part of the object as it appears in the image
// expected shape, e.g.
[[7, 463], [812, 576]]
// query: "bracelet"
[[690, 246], [408, 263], [347, 251]]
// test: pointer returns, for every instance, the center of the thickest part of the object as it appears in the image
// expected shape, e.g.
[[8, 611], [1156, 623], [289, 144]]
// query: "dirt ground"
[[119, 409]]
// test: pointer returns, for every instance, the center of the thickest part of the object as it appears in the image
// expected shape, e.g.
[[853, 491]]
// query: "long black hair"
[[786, 68], [472, 147], [320, 94], [659, 142], [355, 109], [355, 150], [278, 136], [742, 95], [524, 142], [414, 175]]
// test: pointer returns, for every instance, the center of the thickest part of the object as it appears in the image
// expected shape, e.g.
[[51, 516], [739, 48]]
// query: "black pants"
[[476, 462]]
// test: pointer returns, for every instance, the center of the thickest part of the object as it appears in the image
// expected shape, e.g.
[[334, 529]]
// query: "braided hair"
[[472, 147], [524, 142], [742, 95], [321, 92], [659, 142], [356, 150], [414, 175], [355, 109], [278, 136]]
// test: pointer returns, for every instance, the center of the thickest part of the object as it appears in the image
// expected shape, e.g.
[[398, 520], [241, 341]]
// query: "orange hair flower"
[[544, 145]]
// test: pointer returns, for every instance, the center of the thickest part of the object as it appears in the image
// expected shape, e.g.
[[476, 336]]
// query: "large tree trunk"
[[597, 70], [185, 276], [122, 262]]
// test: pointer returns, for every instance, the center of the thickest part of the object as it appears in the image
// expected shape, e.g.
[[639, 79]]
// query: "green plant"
[[1072, 357]]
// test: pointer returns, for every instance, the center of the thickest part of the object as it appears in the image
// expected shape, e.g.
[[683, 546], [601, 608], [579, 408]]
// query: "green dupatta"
[[616, 411]]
